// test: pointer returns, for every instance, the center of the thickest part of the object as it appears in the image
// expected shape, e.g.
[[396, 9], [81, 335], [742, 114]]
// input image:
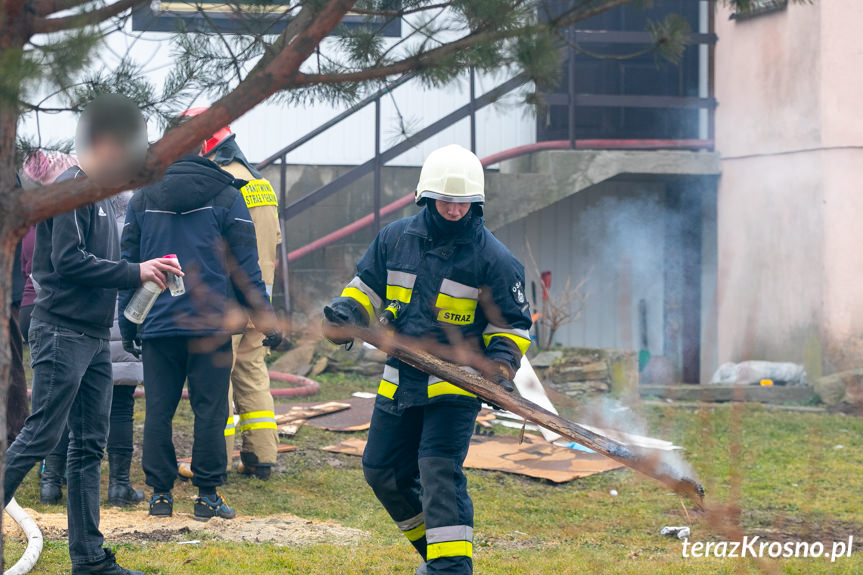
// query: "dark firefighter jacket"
[[466, 290]]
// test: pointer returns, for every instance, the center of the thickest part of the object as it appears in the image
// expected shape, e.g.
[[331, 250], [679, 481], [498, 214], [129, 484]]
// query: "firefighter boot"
[[51, 482], [120, 490], [249, 465]]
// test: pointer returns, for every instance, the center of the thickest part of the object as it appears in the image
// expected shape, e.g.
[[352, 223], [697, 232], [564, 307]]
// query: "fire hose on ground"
[[34, 539]]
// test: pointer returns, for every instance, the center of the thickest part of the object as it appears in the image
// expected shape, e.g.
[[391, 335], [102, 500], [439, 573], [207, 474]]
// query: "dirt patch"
[[137, 526]]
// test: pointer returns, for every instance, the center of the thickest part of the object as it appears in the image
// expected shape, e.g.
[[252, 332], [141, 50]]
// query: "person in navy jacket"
[[198, 213]]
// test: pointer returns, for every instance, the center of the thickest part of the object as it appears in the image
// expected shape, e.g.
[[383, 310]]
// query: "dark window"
[[616, 74]]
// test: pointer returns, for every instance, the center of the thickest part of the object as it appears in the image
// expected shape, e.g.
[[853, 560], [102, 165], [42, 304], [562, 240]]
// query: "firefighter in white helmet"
[[439, 274]]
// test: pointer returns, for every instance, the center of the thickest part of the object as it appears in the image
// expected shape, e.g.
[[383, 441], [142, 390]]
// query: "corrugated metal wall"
[[612, 234]]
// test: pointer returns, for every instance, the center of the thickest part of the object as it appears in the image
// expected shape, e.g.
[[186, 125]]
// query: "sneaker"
[[206, 508], [162, 505], [107, 566]]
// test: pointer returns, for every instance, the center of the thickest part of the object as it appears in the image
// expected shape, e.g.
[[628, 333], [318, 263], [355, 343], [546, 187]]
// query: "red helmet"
[[216, 138]]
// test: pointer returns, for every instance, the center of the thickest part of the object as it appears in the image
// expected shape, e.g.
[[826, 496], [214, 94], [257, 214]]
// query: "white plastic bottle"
[[142, 302]]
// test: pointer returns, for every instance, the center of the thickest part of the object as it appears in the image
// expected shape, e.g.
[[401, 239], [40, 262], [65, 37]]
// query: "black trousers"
[[122, 417], [168, 363], [119, 434]]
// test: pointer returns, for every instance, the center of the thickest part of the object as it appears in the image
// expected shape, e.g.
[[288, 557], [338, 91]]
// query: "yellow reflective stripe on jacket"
[[361, 298], [400, 286], [455, 310], [259, 193], [399, 293], [389, 382], [387, 389], [438, 387], [252, 420], [459, 290], [358, 290], [456, 302], [449, 549], [521, 337], [446, 388], [230, 428]]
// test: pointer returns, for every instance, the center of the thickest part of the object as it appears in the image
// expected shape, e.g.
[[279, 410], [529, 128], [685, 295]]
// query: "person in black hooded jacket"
[[198, 213], [77, 272]]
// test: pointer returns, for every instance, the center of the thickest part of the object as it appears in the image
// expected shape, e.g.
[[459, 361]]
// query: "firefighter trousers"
[[413, 463], [250, 394]]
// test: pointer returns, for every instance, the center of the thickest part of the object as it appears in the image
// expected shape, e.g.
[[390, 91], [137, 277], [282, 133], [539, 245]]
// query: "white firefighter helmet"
[[452, 174]]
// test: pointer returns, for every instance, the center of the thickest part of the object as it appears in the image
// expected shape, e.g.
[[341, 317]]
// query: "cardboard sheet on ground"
[[357, 417], [533, 458], [289, 423]]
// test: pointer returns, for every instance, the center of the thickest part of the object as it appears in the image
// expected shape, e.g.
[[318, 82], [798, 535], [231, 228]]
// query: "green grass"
[[795, 485]]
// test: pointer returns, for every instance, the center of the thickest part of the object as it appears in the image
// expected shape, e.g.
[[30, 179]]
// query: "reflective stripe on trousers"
[[414, 528], [450, 541], [257, 420], [231, 427]]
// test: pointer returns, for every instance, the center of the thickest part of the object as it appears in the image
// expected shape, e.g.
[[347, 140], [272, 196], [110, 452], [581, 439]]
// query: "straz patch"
[[454, 317], [259, 193]]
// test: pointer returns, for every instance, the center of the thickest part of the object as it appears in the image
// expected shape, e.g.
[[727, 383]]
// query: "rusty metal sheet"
[[357, 418]]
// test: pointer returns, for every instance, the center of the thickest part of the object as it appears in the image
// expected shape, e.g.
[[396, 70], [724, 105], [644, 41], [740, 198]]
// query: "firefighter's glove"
[[504, 377], [274, 339], [342, 314], [133, 346]]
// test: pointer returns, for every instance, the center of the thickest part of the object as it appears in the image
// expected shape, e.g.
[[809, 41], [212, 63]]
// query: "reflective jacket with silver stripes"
[[467, 290]]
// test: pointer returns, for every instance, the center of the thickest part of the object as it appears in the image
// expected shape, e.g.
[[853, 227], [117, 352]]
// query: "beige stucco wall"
[[788, 127]]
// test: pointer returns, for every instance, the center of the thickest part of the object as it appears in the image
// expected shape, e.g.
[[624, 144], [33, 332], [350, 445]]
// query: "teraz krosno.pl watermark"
[[756, 547]]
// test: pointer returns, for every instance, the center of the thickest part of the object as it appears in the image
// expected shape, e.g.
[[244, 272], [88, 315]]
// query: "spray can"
[[142, 301], [175, 282]]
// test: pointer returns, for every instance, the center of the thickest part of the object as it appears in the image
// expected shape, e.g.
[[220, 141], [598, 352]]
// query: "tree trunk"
[[13, 34], [8, 240]]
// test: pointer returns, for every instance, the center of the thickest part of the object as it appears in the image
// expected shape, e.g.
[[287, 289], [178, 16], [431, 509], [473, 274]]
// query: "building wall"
[[612, 236], [791, 139]]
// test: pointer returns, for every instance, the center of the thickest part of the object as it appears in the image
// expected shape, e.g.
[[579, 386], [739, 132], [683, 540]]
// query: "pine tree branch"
[[305, 32], [40, 25], [48, 7], [400, 13], [431, 57]]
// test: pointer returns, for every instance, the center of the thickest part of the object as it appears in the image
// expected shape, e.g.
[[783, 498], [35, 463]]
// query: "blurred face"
[[452, 211], [108, 161]]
